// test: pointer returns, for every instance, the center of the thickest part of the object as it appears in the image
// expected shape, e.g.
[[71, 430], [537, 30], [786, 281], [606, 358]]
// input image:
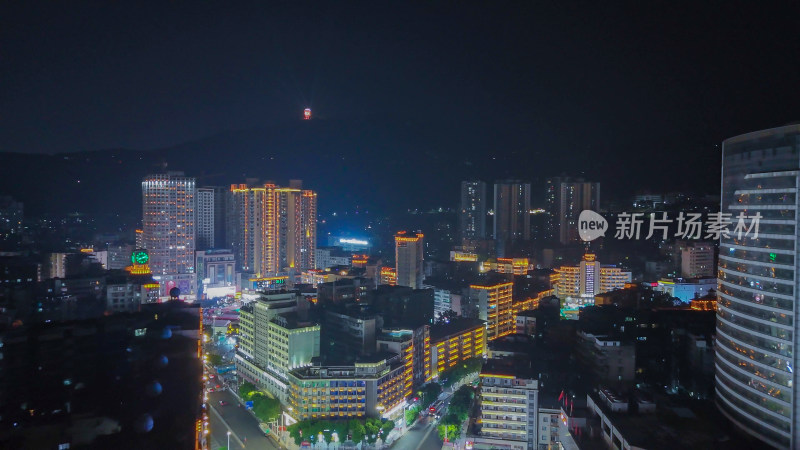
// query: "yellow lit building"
[[516, 266], [578, 285], [388, 276], [492, 302], [454, 342], [509, 407], [275, 229], [373, 388], [531, 302]]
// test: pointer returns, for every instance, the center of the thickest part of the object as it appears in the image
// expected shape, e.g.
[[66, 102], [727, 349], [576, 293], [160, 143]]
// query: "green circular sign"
[[139, 257]]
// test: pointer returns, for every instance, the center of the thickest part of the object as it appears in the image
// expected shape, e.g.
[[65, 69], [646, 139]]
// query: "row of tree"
[[457, 412], [461, 370], [355, 430]]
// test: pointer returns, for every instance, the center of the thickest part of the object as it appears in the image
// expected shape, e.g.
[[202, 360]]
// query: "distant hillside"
[[379, 164]]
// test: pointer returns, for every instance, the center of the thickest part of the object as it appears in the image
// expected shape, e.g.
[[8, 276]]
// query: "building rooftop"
[[456, 326]]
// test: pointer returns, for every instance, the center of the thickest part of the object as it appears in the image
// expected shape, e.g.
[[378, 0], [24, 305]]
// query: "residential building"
[[756, 361], [512, 205], [472, 215], [509, 407], [273, 229], [168, 218], [578, 285], [697, 260], [409, 255], [414, 345], [491, 301], [566, 198], [352, 329], [119, 256], [454, 342]]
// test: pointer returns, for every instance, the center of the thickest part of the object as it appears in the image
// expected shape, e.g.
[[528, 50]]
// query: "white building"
[[409, 256], [168, 218], [509, 408]]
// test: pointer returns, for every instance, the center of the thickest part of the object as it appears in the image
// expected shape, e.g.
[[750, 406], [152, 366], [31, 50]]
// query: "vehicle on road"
[[223, 403], [264, 428]]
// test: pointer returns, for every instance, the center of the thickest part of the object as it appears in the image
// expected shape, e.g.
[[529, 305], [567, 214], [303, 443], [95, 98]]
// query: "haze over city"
[[363, 225]]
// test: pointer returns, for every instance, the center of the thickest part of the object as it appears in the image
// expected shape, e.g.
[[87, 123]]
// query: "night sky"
[[622, 80]]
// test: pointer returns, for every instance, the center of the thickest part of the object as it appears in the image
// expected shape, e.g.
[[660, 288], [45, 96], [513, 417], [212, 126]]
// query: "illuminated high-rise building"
[[512, 205], [273, 229], [472, 215], [409, 255], [756, 358], [297, 227], [168, 219], [566, 198]]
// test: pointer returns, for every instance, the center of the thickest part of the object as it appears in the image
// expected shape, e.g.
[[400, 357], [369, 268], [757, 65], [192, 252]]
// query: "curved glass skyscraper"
[[758, 275]]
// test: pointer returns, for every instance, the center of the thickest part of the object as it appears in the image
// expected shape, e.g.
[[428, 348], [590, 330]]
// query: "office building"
[[168, 218], [512, 206], [756, 337], [455, 342], [509, 415], [697, 260], [273, 229], [578, 285], [409, 255], [566, 198], [491, 301], [472, 215], [274, 337], [370, 387], [205, 219]]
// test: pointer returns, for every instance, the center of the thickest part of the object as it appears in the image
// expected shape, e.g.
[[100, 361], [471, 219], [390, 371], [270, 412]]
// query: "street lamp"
[[229, 440]]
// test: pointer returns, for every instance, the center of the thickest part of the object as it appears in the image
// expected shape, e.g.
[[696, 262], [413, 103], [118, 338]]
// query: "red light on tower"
[[307, 114]]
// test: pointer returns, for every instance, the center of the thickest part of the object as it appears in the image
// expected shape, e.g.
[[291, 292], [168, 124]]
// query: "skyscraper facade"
[[512, 205], [205, 219], [408, 251], [472, 215], [273, 229], [168, 219], [566, 198], [756, 331]]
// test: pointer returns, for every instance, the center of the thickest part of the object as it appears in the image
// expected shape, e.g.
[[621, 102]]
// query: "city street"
[[421, 436], [239, 421]]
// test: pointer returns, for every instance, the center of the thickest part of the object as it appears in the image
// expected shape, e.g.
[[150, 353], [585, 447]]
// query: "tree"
[[449, 432], [372, 427], [245, 389], [429, 393], [214, 359], [265, 408], [412, 413], [357, 430]]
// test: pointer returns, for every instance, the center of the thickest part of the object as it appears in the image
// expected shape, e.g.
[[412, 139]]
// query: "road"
[[241, 423], [422, 436]]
